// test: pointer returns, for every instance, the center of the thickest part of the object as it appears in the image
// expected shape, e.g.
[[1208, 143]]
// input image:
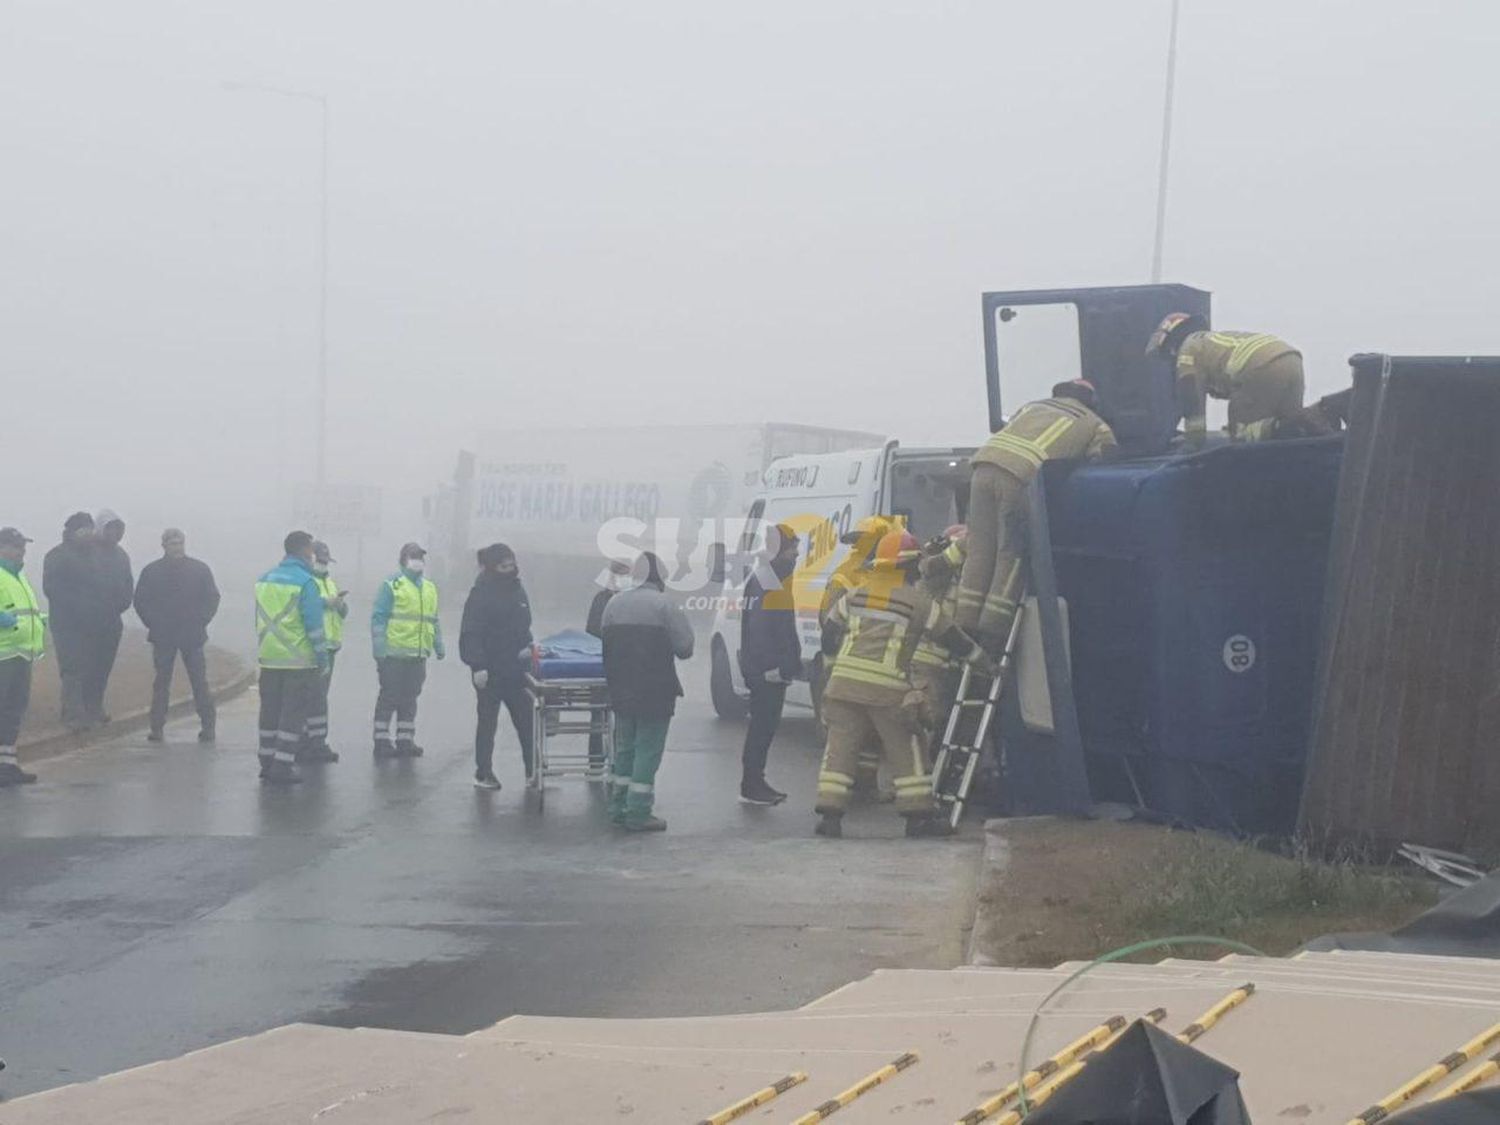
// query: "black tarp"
[[1477, 1107], [1148, 1078], [1465, 924]]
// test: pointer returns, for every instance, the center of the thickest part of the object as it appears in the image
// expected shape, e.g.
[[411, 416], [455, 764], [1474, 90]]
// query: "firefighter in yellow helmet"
[[855, 571], [1258, 373], [1063, 427], [874, 633]]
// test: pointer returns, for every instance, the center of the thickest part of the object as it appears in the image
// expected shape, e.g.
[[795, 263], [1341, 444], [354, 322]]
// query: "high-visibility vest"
[[333, 624], [284, 642], [412, 629], [1046, 430], [28, 639], [928, 651]]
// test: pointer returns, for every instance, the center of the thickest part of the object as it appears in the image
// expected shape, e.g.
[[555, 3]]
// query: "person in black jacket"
[[645, 634], [175, 599], [770, 658], [496, 627], [119, 588], [78, 602]]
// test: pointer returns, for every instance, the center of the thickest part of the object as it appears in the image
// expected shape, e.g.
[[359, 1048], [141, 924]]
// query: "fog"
[[590, 213]]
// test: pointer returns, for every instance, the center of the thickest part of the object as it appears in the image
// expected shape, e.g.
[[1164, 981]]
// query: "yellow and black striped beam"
[[755, 1100], [1416, 1084], [1192, 1031], [1044, 1070], [1478, 1077], [863, 1086]]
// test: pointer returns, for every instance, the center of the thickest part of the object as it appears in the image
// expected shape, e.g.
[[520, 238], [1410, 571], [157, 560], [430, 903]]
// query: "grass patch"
[[1072, 890]]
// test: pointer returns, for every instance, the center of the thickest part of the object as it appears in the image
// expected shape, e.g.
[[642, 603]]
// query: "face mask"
[[320, 568], [416, 566]]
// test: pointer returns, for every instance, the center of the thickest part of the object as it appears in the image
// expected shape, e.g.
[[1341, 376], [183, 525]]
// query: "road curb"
[[54, 745], [995, 857]]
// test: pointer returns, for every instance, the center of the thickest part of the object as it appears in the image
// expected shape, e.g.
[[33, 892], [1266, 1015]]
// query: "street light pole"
[[322, 103], [1166, 148]]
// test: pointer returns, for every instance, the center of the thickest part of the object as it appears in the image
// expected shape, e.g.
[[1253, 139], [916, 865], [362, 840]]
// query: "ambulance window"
[[1037, 348], [752, 522]]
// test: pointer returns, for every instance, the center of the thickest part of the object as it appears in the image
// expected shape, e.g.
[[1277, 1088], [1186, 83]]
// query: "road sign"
[[338, 509]]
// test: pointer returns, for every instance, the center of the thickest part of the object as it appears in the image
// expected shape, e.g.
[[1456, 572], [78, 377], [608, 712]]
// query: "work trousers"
[[317, 715], [1272, 390], [939, 683], [15, 695], [401, 680], [766, 703], [996, 565], [286, 696], [164, 658], [850, 725], [639, 745], [488, 699]]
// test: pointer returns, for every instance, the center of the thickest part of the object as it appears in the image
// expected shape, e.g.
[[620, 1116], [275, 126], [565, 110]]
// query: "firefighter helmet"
[[1173, 329], [869, 525], [897, 548]]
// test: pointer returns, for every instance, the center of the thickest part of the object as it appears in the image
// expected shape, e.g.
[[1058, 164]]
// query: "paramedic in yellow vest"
[[993, 581], [23, 632], [933, 668], [870, 691], [315, 746], [1260, 375], [293, 656], [853, 572], [405, 630]]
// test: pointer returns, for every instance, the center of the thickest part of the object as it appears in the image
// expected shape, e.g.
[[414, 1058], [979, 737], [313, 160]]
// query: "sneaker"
[[408, 750], [12, 774], [650, 824], [156, 736], [207, 736], [759, 793], [931, 826], [485, 780], [830, 826], [385, 748], [277, 772]]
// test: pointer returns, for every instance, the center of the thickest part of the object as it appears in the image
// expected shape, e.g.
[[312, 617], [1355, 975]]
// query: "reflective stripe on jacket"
[[411, 630], [1218, 360], [882, 632], [1048, 430], [27, 638], [333, 620]]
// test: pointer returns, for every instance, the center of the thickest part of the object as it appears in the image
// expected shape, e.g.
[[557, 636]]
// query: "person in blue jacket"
[[405, 631]]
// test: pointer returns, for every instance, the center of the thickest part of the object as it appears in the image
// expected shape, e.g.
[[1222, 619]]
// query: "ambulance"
[[824, 497]]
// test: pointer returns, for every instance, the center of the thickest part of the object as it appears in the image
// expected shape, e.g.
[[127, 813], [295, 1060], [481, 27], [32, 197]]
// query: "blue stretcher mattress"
[[569, 655]]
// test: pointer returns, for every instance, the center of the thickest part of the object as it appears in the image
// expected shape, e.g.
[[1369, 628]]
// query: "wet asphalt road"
[[157, 899]]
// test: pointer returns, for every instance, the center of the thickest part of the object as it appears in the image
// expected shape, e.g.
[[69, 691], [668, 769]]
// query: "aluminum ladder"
[[961, 747]]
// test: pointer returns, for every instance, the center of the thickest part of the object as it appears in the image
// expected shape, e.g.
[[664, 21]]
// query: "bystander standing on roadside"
[[770, 659], [23, 629], [119, 588], [496, 627], [77, 605], [176, 598]]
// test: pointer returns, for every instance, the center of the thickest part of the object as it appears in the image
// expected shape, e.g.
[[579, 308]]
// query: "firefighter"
[[933, 669], [850, 574], [874, 633], [993, 579], [1259, 374]]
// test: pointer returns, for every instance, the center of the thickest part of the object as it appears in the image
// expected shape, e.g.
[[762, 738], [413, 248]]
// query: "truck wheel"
[[727, 702]]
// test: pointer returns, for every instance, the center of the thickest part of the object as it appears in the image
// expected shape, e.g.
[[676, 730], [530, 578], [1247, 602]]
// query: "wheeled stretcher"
[[569, 696]]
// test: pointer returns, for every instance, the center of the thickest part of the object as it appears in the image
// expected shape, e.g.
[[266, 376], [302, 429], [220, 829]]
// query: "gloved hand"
[[982, 661], [438, 650], [380, 648], [324, 664], [481, 677], [917, 712], [8, 620], [772, 677]]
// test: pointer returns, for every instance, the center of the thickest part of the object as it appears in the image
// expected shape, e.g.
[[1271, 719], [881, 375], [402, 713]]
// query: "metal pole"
[[323, 303], [1166, 148]]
